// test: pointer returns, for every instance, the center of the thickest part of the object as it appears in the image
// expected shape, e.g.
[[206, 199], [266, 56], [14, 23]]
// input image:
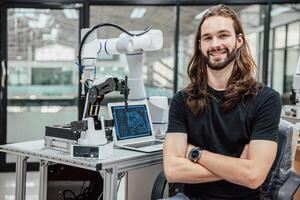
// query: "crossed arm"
[[249, 170]]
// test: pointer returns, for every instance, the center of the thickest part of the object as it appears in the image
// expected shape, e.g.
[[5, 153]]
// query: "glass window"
[[278, 59], [280, 34], [51, 76], [189, 21], [285, 21], [278, 70], [293, 34], [271, 44], [158, 65], [42, 77], [293, 54]]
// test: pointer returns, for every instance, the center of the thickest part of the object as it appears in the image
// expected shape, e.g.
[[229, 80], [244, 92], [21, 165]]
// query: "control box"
[[92, 151]]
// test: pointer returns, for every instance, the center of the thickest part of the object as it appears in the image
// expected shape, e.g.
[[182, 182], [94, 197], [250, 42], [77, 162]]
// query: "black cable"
[[86, 84], [100, 196], [84, 193], [69, 198], [81, 190], [119, 180]]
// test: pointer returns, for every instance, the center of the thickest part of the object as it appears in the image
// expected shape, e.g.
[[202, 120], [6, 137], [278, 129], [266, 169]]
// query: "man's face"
[[218, 42]]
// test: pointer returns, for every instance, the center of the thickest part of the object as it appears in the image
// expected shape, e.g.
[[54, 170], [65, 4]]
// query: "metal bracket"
[[3, 73], [43, 179], [21, 169]]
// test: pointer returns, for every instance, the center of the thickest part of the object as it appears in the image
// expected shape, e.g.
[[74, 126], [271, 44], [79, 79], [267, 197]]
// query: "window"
[[293, 53], [51, 76], [280, 37], [286, 27], [42, 77], [293, 34]]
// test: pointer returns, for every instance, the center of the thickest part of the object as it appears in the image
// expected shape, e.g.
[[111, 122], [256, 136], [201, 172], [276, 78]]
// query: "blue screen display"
[[131, 124]]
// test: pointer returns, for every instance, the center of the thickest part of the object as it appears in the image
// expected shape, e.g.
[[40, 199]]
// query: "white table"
[[121, 161]]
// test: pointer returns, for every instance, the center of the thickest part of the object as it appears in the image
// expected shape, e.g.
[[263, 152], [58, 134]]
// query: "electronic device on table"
[[133, 128], [87, 137]]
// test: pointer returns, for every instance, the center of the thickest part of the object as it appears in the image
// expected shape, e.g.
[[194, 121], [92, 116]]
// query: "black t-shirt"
[[226, 133]]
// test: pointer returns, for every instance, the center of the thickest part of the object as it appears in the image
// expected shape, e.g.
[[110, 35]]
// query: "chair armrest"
[[289, 188], [159, 186]]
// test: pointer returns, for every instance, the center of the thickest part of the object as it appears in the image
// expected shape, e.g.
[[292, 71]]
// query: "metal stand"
[[21, 177], [43, 180], [110, 180]]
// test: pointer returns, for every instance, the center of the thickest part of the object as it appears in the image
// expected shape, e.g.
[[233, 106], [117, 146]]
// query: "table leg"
[[43, 180], [21, 168], [110, 178]]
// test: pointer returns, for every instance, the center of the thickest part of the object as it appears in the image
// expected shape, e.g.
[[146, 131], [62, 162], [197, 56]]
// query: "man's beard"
[[230, 56]]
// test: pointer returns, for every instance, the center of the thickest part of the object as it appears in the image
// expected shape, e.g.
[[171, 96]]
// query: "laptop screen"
[[132, 124]]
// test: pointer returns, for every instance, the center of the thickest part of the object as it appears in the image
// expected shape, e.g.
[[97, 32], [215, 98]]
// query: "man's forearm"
[[182, 170], [235, 170]]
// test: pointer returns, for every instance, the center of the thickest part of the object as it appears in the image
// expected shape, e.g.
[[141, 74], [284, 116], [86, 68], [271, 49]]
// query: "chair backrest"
[[282, 165]]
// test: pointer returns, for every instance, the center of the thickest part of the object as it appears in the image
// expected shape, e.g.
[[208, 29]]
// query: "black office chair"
[[280, 184]]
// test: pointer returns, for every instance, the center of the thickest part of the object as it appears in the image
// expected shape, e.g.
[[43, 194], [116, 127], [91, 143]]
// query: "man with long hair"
[[223, 127]]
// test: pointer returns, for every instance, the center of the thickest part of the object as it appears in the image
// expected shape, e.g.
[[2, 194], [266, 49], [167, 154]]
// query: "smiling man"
[[223, 127]]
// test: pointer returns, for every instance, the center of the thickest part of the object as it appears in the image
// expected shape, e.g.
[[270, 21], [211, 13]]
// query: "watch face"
[[195, 154]]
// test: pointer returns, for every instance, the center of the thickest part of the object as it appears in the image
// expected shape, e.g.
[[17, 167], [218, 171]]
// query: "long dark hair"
[[241, 82]]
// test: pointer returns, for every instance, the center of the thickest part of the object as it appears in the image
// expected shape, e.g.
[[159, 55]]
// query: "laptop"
[[133, 128]]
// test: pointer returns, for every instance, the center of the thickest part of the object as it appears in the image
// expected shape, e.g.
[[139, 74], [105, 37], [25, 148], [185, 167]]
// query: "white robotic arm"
[[92, 142], [124, 44], [132, 46]]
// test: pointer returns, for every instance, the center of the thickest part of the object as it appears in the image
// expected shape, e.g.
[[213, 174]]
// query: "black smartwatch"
[[195, 154]]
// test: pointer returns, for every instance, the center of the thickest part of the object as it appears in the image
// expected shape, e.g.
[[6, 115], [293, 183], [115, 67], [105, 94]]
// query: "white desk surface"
[[122, 158]]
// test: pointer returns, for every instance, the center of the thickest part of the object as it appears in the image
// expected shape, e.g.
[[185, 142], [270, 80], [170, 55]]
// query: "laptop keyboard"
[[144, 144]]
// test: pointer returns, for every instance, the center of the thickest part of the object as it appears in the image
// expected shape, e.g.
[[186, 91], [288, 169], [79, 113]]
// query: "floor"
[[7, 186]]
